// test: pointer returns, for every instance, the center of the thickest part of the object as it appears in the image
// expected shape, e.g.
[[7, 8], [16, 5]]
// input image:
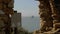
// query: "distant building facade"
[[16, 19], [16, 22]]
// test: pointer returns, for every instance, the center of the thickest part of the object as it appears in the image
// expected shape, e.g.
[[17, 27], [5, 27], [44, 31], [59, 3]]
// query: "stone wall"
[[6, 7], [49, 16], [45, 15]]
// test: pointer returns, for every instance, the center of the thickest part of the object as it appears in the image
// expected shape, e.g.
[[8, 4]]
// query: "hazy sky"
[[27, 7]]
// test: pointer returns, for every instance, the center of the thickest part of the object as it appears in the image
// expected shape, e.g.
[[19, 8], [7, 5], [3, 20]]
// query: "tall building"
[[16, 19], [16, 22]]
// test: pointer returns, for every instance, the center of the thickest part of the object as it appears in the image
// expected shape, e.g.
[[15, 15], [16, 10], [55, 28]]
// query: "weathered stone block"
[[8, 11], [7, 1], [1, 6], [1, 1], [11, 4]]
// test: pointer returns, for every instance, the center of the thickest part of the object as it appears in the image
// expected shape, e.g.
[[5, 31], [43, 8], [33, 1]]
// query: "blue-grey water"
[[30, 23]]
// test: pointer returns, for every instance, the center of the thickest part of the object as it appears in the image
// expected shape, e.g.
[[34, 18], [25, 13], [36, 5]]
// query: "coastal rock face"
[[49, 16]]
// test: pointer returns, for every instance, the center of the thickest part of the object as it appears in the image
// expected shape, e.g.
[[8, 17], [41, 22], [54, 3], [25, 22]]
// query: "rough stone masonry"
[[49, 16], [6, 9]]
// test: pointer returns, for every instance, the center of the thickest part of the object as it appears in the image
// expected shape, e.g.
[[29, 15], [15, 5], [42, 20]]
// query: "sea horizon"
[[31, 24]]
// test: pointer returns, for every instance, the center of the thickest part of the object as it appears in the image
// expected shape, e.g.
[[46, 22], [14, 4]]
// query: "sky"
[[27, 7]]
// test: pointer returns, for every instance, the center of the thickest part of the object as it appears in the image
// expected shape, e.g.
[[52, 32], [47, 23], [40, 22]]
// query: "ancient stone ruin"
[[6, 9], [49, 16]]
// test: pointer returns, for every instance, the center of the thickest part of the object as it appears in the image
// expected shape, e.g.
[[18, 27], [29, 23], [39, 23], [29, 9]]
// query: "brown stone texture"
[[49, 16], [1, 6], [7, 1], [8, 11], [6, 7], [45, 15]]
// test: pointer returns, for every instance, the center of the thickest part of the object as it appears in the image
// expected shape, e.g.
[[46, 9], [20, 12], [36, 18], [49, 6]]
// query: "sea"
[[31, 23]]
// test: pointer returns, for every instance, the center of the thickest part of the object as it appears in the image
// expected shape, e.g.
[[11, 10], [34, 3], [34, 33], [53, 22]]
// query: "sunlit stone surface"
[[50, 17]]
